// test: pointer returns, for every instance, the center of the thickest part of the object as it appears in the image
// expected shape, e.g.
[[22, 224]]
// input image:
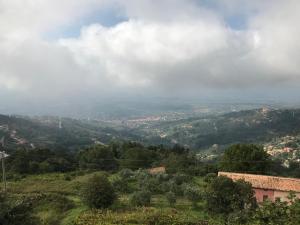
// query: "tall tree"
[[247, 158]]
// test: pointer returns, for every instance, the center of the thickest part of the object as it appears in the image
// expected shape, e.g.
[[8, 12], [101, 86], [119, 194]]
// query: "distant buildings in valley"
[[286, 148]]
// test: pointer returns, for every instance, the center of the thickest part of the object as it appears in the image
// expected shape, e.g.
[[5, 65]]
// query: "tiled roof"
[[157, 170], [266, 182]]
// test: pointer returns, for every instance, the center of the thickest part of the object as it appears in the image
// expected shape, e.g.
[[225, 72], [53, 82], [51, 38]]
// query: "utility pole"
[[3, 155], [3, 172]]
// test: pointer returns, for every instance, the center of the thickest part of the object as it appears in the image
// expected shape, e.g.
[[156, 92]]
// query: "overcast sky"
[[69, 50]]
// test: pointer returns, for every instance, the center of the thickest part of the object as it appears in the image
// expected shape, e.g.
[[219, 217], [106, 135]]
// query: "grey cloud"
[[170, 46]]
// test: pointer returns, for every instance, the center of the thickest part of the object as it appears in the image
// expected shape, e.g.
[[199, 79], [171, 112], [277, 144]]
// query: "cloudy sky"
[[73, 50]]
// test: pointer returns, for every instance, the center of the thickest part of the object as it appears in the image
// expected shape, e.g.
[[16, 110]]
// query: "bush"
[[141, 198], [126, 173], [97, 157], [225, 196], [150, 184], [120, 185], [192, 194], [171, 198], [175, 188], [209, 177], [15, 211], [98, 192], [181, 178]]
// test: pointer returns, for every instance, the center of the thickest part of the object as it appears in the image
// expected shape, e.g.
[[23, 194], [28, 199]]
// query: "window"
[[265, 197], [277, 199]]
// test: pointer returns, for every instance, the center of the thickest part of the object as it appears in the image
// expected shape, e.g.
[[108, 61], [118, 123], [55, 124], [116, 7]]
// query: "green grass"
[[72, 214], [49, 183], [62, 188]]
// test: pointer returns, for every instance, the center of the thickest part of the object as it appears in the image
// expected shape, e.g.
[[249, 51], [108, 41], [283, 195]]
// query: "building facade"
[[268, 187]]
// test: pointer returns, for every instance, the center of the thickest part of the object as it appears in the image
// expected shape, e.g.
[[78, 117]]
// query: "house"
[[268, 187], [157, 170]]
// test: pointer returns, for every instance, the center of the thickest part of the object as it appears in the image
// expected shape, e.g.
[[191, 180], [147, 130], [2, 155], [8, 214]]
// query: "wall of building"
[[283, 195], [263, 194]]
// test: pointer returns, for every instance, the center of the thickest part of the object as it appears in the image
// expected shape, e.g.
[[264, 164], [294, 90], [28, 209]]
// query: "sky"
[[73, 51]]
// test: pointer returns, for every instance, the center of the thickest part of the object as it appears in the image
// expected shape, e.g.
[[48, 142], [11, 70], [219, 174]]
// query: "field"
[[56, 201]]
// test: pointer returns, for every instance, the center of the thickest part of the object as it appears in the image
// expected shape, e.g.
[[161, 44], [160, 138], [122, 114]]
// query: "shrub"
[[15, 211], [209, 177], [181, 178], [192, 194], [171, 198], [140, 198], [150, 184], [97, 157], [120, 185], [175, 188], [98, 192], [225, 196], [126, 173]]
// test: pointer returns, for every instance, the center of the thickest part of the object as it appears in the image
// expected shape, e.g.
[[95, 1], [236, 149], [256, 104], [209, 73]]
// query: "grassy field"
[[59, 203]]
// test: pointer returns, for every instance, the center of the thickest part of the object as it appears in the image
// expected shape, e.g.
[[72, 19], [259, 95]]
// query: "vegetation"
[[247, 158], [224, 196], [89, 190], [98, 192]]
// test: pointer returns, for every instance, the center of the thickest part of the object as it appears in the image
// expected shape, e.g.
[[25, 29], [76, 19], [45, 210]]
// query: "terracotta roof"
[[157, 170], [266, 182]]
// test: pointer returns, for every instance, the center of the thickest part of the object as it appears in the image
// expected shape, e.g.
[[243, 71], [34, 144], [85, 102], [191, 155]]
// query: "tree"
[[97, 157], [225, 196], [136, 158], [247, 158], [278, 213], [98, 192], [171, 198], [15, 212], [121, 185], [193, 194], [182, 163], [141, 198]]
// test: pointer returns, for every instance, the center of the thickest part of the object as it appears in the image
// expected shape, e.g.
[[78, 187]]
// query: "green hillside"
[[258, 125], [45, 132]]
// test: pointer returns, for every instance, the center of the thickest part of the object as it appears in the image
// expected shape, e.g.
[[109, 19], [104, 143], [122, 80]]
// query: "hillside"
[[201, 132], [56, 133], [257, 125]]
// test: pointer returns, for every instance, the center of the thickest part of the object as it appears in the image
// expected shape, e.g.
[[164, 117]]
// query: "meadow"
[[56, 200]]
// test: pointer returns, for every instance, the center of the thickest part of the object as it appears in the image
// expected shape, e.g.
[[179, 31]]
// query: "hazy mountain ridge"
[[259, 125], [55, 133]]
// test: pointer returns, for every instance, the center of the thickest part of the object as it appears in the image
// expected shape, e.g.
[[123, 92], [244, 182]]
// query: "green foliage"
[[210, 177], [171, 197], [120, 185], [181, 163], [192, 193], [136, 157], [126, 173], [98, 192], [277, 213], [139, 216], [15, 211], [141, 198], [97, 157], [247, 158], [25, 161], [150, 183], [224, 196], [175, 188]]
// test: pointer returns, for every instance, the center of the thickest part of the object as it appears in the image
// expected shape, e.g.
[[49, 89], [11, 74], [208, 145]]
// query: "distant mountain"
[[257, 126], [201, 132], [56, 133]]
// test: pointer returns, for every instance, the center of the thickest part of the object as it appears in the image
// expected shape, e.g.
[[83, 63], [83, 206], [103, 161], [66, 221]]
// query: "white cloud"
[[165, 45]]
